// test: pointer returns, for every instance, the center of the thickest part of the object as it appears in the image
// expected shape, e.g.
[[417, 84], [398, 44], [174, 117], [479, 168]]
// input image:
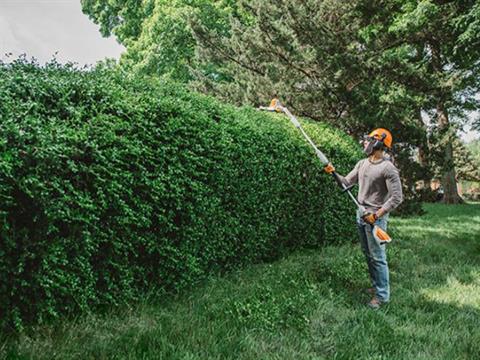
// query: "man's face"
[[366, 141], [368, 145]]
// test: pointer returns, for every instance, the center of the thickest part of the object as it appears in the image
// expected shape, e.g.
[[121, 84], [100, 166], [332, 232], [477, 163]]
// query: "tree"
[[322, 67], [474, 148], [356, 64], [439, 37], [293, 49], [124, 18], [465, 161], [157, 33]]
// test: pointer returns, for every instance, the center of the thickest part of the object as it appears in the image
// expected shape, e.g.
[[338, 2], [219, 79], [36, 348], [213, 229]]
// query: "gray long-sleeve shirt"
[[379, 184]]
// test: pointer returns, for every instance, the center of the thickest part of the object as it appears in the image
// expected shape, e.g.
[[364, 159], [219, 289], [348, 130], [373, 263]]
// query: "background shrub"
[[112, 184]]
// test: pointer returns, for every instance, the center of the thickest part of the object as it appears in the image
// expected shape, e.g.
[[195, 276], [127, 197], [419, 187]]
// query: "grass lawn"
[[306, 306]]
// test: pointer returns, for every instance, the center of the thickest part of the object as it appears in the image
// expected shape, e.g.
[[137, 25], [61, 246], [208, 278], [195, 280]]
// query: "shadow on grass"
[[449, 330]]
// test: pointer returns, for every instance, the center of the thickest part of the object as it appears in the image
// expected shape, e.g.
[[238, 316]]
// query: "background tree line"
[[411, 66]]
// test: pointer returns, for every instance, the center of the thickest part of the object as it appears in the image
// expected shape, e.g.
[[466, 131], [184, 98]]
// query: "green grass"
[[307, 306]]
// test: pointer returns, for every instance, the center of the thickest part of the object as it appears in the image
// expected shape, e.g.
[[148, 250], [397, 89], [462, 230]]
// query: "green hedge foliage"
[[112, 185]]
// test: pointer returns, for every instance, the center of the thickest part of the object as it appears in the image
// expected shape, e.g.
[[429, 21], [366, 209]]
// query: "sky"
[[470, 135], [40, 28]]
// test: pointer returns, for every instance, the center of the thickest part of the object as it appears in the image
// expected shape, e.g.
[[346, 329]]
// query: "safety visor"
[[366, 138], [373, 138]]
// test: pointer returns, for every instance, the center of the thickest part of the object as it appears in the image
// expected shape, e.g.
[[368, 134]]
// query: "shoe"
[[369, 291], [375, 303]]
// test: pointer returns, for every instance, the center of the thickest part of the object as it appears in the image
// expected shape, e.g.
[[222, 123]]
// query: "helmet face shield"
[[369, 144], [367, 138], [376, 140]]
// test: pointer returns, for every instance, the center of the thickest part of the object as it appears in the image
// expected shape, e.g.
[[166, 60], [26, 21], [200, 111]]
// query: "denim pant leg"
[[366, 251], [376, 257]]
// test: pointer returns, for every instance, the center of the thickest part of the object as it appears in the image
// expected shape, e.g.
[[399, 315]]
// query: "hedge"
[[112, 185]]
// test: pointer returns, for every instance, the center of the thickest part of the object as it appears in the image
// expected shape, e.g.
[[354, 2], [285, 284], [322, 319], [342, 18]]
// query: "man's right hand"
[[329, 169], [370, 218]]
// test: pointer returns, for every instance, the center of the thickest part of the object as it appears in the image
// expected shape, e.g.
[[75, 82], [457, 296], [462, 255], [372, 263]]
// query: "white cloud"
[[42, 28]]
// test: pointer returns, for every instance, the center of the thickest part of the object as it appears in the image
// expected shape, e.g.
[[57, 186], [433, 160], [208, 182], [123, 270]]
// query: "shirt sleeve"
[[352, 177], [394, 186]]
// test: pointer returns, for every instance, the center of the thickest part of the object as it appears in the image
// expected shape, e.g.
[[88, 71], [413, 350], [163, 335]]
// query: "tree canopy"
[[157, 33], [357, 64]]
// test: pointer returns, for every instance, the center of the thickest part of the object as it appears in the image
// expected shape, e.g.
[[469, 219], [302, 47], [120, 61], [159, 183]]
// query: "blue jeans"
[[376, 257]]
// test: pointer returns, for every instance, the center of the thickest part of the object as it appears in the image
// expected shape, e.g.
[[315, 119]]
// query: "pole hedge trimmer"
[[276, 106]]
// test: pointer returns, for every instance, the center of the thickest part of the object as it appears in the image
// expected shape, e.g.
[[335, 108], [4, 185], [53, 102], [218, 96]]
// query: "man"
[[380, 191]]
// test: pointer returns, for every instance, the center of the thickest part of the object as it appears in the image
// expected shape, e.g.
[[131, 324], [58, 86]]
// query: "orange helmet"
[[382, 135]]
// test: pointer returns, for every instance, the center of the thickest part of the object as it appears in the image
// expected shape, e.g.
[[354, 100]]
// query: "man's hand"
[[380, 213], [370, 218], [329, 169]]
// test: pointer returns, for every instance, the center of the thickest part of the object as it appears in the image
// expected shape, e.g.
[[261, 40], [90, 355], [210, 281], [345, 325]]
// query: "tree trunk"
[[449, 181]]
